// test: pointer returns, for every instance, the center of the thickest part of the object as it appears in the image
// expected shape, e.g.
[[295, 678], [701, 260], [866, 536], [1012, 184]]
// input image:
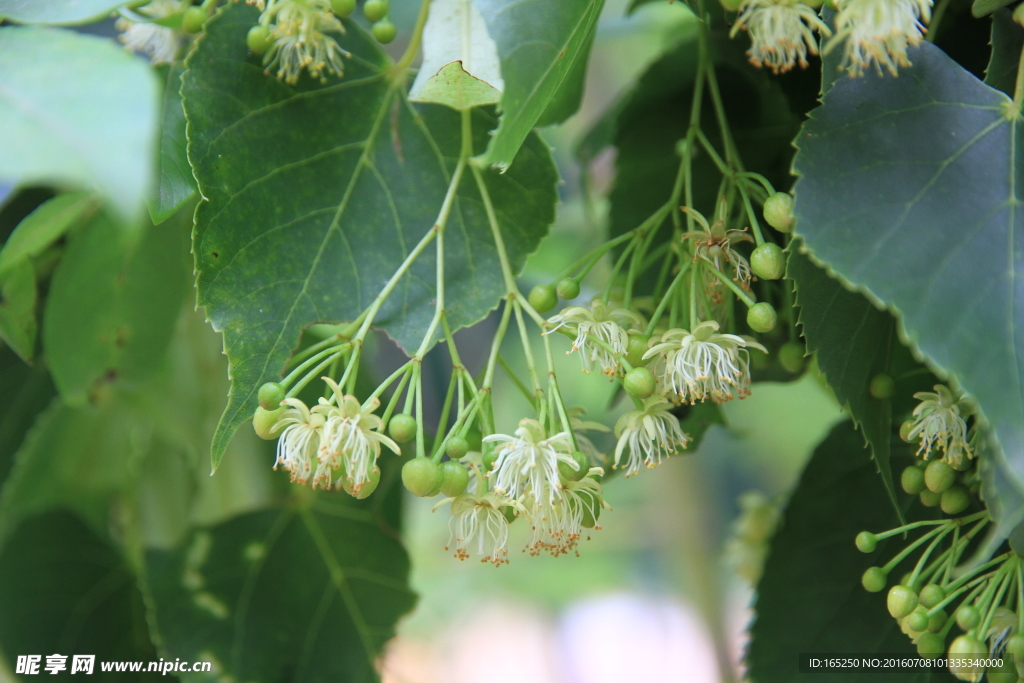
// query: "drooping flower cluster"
[[299, 40], [335, 435], [878, 33], [160, 42], [940, 426], [781, 32], [479, 526], [601, 333]]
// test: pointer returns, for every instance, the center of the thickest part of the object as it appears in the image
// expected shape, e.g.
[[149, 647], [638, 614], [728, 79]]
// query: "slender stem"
[[417, 37], [342, 348], [666, 299], [401, 371], [530, 398], [1018, 90], [754, 225], [744, 297], [393, 403], [940, 10], [891, 564], [499, 336]]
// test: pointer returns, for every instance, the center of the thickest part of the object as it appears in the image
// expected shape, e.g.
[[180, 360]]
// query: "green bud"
[[968, 617], [193, 20], [510, 513], [375, 10], [258, 39], [912, 479], [639, 383], [543, 298], [457, 447], [1015, 646], [402, 428], [939, 476], [730, 5], [866, 542], [791, 356], [591, 509], [901, 601], [955, 500], [937, 621], [929, 498], [1018, 14], [454, 479], [367, 488], [778, 211], [966, 648], [270, 395], [874, 579], [421, 476], [931, 595], [384, 31], [568, 288], [568, 473], [762, 317], [343, 8], [264, 420], [930, 645], [489, 457], [905, 429], [882, 386], [768, 262], [636, 348], [917, 620]]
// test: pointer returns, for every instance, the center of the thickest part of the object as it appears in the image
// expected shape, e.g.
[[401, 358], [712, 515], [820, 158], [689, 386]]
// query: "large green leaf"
[[1007, 41], [910, 189], [18, 310], [27, 391], [110, 313], [175, 184], [64, 590], [315, 195], [810, 599], [308, 594], [62, 12], [44, 226], [543, 47], [78, 110]]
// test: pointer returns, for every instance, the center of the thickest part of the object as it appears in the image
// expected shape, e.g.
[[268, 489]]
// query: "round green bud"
[[778, 211], [955, 500], [966, 648], [636, 348], [456, 447], [1018, 15], [929, 498], [1015, 646], [762, 317], [510, 513], [366, 489], [193, 19], [454, 479], [874, 579], [912, 479], [915, 586], [882, 386], [264, 420], [375, 10], [930, 645], [475, 439], [639, 383], [866, 542], [566, 472], [931, 595], [791, 356], [402, 428], [489, 457], [258, 39], [917, 620], [543, 298], [905, 430], [937, 621], [591, 508], [901, 601], [768, 262], [343, 8], [939, 476], [968, 617], [421, 476], [568, 288], [384, 31], [270, 395]]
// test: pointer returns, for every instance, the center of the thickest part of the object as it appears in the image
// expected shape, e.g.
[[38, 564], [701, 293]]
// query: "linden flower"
[[161, 43], [298, 444], [351, 437], [878, 33], [704, 364], [602, 323], [781, 32], [527, 463], [558, 528], [479, 524], [298, 29], [939, 425], [647, 435], [713, 243]]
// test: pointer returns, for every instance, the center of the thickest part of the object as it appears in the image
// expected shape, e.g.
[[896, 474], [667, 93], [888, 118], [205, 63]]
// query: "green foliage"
[[939, 208], [175, 184], [60, 12], [1007, 42], [90, 131], [291, 233]]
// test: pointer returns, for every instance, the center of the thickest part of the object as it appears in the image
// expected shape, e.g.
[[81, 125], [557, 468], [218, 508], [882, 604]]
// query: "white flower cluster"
[[298, 31], [161, 43], [938, 423]]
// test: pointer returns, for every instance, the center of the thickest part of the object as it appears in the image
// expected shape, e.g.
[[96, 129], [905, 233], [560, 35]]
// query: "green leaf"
[[852, 341], [60, 12], [77, 110], [1007, 43], [981, 8], [309, 594], [910, 190], [810, 599], [44, 226], [27, 391], [543, 47], [110, 313], [309, 228], [64, 590], [18, 310], [175, 182]]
